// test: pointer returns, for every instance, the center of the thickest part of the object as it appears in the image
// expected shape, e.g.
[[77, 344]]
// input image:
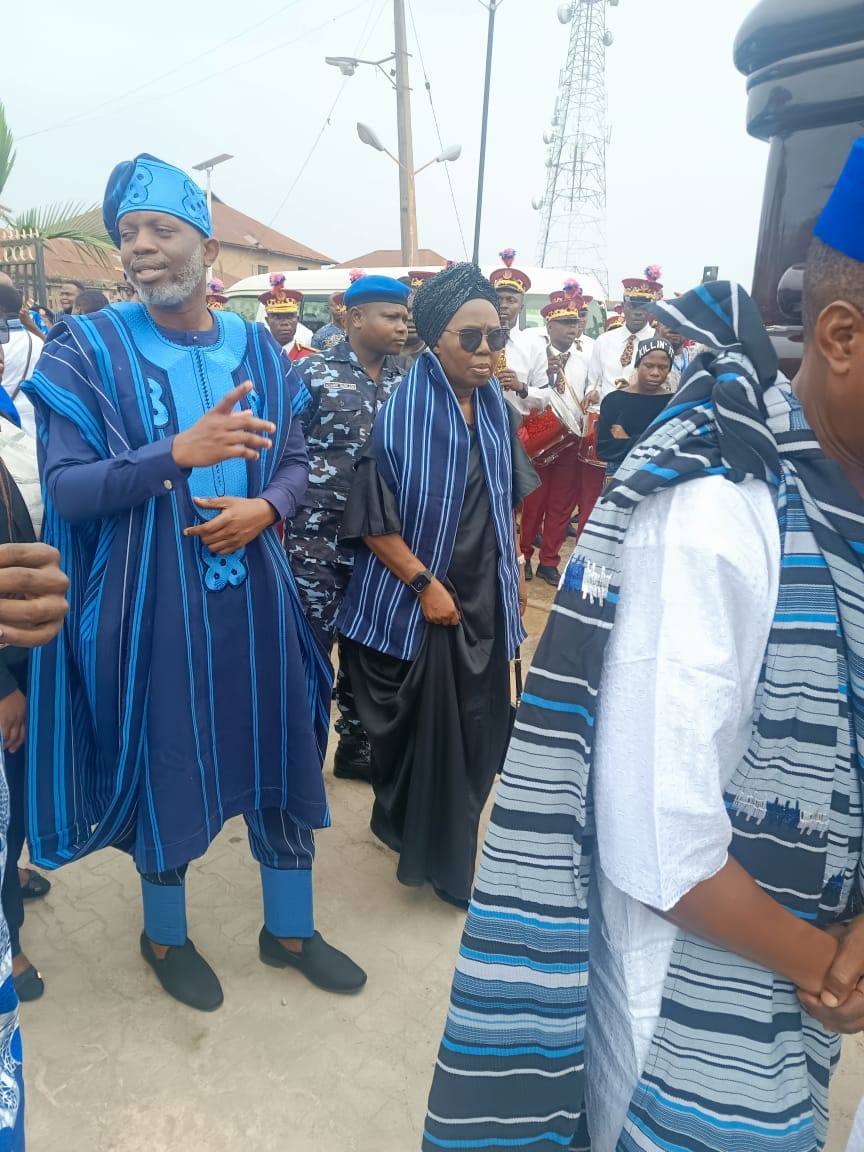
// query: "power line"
[[366, 35], [268, 51], [437, 127], [171, 72]]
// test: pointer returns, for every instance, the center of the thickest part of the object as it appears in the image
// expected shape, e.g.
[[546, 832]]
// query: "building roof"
[[241, 231], [66, 261], [392, 258]]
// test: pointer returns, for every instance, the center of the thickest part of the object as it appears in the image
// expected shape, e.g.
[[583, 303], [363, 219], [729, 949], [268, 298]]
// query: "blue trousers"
[[284, 851]]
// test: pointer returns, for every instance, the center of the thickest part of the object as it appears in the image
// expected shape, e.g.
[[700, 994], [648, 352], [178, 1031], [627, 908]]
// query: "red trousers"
[[592, 480], [566, 484], [547, 511]]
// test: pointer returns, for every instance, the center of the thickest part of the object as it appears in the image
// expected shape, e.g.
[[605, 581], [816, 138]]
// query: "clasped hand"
[[840, 1008], [438, 606]]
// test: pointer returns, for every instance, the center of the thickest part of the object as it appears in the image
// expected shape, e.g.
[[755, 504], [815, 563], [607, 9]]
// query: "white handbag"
[[18, 453]]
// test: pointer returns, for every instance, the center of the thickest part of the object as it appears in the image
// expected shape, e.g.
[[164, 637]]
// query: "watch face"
[[421, 583]]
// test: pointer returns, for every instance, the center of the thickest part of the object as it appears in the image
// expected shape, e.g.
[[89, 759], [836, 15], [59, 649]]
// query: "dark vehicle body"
[[804, 62]]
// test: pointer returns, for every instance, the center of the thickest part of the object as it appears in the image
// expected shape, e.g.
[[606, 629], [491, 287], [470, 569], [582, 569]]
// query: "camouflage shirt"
[[328, 337], [343, 402]]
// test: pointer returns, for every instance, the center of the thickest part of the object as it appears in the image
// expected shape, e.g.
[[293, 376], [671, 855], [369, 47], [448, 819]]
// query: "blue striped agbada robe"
[[734, 1063], [184, 688]]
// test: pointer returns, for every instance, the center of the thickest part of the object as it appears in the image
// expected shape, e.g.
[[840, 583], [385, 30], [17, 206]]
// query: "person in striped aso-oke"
[[671, 964]]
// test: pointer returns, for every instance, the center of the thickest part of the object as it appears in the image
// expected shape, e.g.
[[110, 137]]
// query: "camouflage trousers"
[[322, 571]]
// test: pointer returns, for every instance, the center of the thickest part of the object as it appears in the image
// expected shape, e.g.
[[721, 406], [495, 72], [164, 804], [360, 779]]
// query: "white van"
[[319, 285]]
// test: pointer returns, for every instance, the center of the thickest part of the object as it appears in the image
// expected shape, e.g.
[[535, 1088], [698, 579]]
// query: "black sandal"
[[29, 985], [36, 887]]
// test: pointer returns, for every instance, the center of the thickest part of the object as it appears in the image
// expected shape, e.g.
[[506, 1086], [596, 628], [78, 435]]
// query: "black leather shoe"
[[529, 570], [550, 575], [185, 975], [36, 887], [573, 531], [324, 966], [353, 759], [29, 985]]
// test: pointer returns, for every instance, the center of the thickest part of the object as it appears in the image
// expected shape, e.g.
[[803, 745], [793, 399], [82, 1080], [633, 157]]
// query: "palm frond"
[[80, 223], [7, 149]]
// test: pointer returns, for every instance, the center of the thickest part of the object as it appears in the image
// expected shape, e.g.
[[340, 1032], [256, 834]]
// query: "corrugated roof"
[[236, 228], [392, 258], [65, 261]]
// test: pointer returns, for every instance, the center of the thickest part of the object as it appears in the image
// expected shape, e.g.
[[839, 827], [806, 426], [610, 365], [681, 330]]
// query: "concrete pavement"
[[113, 1065]]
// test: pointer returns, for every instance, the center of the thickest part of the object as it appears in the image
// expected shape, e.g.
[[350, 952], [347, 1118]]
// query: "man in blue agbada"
[[186, 687]]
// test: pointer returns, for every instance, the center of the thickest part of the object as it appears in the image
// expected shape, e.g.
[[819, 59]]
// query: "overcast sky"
[[188, 81]]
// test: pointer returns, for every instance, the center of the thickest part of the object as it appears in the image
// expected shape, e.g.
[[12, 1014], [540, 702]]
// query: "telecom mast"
[[573, 209]]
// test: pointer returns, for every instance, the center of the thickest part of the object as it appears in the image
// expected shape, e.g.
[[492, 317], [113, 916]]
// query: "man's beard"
[[178, 290]]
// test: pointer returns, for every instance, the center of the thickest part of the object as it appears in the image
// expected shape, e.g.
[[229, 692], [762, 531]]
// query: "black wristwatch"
[[421, 581]]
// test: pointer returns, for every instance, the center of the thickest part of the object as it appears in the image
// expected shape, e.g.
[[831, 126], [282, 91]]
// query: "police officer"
[[347, 385]]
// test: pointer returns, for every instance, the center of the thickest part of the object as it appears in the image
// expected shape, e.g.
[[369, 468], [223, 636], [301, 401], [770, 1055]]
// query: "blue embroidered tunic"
[[185, 688]]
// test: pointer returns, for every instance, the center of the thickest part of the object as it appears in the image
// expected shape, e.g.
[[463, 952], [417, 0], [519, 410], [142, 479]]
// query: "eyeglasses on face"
[[470, 339]]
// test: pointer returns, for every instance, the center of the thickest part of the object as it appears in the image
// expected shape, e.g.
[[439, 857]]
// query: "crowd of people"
[[684, 771]]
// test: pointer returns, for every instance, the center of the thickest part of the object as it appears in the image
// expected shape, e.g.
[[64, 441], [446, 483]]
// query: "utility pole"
[[492, 5], [407, 196]]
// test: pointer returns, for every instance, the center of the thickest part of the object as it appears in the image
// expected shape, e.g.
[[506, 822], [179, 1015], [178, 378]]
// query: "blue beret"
[[147, 184], [841, 225], [376, 290]]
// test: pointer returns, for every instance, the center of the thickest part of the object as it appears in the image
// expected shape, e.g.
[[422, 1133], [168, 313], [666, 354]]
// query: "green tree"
[[80, 223]]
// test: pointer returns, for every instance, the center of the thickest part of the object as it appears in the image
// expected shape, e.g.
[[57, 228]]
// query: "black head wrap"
[[646, 347], [438, 299]]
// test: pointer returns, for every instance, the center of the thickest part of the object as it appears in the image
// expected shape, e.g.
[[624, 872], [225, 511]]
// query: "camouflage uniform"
[[344, 401], [328, 337]]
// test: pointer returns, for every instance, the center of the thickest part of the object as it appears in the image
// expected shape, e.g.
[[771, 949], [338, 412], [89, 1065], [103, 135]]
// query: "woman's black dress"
[[439, 724]]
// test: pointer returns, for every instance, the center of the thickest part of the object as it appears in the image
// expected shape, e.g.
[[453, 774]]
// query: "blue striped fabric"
[[11, 1071], [421, 444], [734, 1064], [144, 734]]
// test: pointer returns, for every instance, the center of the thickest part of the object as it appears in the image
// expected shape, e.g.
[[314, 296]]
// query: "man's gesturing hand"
[[239, 522], [222, 434], [32, 594]]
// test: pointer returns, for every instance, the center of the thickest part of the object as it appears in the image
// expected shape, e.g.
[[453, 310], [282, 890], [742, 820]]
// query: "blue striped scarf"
[[421, 445], [733, 1064]]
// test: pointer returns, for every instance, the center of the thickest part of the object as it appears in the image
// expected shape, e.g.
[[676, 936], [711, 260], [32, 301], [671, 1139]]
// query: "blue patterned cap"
[[841, 225], [376, 290], [147, 184]]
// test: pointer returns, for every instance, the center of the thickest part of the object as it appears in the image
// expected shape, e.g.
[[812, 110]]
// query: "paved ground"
[[112, 1065]]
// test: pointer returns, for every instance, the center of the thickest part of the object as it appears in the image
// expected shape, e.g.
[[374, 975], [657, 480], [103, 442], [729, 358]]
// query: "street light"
[[371, 138], [398, 77], [348, 65], [208, 166]]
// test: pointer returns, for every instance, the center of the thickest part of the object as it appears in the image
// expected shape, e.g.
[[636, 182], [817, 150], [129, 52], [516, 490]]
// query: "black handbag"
[[517, 673]]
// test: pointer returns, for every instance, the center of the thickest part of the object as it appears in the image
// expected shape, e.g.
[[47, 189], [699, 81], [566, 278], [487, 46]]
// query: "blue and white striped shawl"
[[421, 445], [734, 1064]]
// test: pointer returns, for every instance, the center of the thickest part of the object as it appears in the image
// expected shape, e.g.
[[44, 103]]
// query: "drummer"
[[521, 371], [546, 513]]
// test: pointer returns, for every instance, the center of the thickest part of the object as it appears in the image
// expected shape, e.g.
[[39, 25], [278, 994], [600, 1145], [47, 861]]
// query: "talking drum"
[[546, 435]]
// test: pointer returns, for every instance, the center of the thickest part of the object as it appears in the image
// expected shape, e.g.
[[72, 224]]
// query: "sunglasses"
[[470, 339]]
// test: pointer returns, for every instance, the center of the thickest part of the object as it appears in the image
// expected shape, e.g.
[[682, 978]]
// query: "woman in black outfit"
[[627, 413]]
